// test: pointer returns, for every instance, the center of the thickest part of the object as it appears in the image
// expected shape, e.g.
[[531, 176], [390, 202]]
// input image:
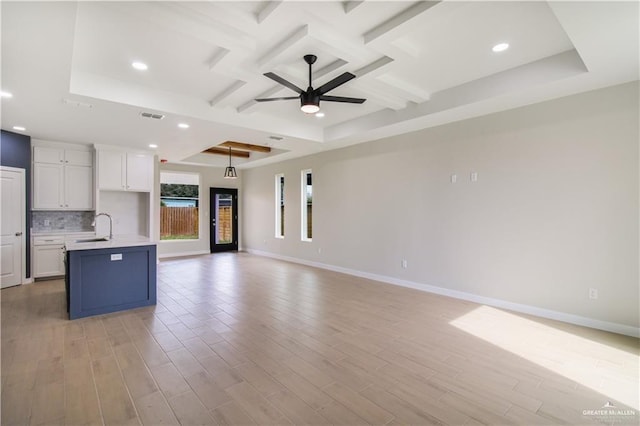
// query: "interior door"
[[223, 208], [12, 226]]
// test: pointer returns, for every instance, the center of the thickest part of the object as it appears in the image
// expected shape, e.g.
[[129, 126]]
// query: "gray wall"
[[554, 211]]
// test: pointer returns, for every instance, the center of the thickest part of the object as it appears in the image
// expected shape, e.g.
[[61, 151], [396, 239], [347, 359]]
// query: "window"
[[280, 205], [307, 205], [179, 206]]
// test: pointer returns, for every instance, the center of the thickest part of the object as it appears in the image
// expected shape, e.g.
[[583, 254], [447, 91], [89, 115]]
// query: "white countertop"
[[117, 241]]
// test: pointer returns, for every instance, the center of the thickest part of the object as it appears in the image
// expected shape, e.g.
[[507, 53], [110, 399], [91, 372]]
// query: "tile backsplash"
[[72, 221]]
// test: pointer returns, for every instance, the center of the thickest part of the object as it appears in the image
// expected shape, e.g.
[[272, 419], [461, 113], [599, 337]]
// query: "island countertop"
[[117, 242]]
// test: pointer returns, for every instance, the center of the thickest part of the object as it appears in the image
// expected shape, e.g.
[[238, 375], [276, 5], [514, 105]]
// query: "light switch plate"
[[117, 256]]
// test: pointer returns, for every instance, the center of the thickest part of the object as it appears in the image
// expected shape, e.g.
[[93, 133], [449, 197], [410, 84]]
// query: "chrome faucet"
[[110, 223]]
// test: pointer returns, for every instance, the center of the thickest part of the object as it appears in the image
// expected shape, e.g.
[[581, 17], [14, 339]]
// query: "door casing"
[[214, 248], [20, 252]]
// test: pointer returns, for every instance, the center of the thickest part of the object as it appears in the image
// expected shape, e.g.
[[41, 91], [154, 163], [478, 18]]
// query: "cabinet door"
[[48, 155], [111, 170], [48, 186], [139, 172], [48, 261], [78, 158], [78, 187]]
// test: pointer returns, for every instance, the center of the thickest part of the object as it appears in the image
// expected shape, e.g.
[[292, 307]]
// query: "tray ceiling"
[[419, 64]]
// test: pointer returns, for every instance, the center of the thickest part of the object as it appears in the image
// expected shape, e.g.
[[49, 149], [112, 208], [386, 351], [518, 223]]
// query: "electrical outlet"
[[47, 222], [404, 263], [474, 176], [593, 293], [319, 250], [454, 178]]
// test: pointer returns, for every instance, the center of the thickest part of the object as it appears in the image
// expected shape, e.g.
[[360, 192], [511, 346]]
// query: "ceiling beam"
[[226, 92], [246, 146], [223, 151], [267, 10], [349, 5], [217, 57], [398, 20]]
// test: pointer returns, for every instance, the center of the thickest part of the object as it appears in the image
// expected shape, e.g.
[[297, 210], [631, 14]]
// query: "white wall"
[[129, 212], [209, 178], [554, 211]]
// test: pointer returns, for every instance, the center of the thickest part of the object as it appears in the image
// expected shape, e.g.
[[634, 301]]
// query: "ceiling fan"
[[310, 98]]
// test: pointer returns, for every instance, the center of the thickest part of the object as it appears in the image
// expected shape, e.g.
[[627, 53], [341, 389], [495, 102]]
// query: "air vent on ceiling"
[[152, 115], [76, 104], [275, 138]]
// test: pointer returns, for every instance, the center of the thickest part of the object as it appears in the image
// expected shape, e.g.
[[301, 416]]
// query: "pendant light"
[[230, 171]]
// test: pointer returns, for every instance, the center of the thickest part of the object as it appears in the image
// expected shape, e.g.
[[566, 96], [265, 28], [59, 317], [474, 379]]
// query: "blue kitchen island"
[[110, 276]]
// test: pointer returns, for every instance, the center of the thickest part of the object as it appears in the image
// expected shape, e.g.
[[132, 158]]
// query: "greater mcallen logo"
[[611, 414]]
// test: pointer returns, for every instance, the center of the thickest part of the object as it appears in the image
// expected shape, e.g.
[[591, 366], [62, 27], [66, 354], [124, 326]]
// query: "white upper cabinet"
[[139, 172], [78, 187], [48, 183], [111, 170], [62, 179], [125, 171], [78, 158], [43, 154]]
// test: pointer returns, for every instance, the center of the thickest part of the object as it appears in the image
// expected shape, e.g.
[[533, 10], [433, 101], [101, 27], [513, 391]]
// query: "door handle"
[[18, 234]]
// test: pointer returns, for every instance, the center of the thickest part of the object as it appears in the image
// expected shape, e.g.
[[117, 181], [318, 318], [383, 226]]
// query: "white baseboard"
[[183, 254], [498, 303]]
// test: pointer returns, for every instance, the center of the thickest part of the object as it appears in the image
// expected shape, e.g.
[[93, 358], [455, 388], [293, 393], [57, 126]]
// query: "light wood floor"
[[240, 339]]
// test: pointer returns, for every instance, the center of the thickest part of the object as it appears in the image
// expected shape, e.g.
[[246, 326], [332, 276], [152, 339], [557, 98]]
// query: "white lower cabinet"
[[48, 257]]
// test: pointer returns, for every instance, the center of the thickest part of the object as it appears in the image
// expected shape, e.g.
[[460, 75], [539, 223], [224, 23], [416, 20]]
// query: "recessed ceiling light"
[[6, 94], [500, 47], [320, 114], [140, 66], [153, 145], [19, 128], [183, 125]]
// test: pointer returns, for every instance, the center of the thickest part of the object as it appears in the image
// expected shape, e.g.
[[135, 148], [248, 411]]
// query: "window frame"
[[279, 205], [304, 212], [172, 241]]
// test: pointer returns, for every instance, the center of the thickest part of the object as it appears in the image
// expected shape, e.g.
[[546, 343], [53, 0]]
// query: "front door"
[[223, 205], [12, 239]]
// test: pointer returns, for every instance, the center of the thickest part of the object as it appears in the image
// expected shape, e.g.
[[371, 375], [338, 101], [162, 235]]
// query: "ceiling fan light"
[[310, 108]]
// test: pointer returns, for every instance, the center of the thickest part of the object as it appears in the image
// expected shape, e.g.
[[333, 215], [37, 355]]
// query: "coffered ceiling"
[[418, 64]]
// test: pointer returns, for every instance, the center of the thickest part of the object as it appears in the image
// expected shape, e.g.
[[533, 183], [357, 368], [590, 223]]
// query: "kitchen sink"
[[92, 240]]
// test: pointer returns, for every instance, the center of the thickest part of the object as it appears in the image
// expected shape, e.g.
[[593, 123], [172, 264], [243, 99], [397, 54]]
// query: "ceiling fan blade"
[[277, 99], [338, 81], [282, 81], [342, 99]]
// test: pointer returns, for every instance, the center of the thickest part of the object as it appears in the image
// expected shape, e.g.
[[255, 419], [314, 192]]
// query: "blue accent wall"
[[15, 151]]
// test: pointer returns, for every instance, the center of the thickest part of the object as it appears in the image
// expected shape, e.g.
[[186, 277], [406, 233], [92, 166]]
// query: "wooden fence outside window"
[[178, 222]]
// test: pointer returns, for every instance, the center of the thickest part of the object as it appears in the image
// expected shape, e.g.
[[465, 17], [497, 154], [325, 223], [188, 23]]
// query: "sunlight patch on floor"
[[605, 369]]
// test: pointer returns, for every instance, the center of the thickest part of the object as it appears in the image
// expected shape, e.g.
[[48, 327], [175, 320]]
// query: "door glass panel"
[[224, 218]]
